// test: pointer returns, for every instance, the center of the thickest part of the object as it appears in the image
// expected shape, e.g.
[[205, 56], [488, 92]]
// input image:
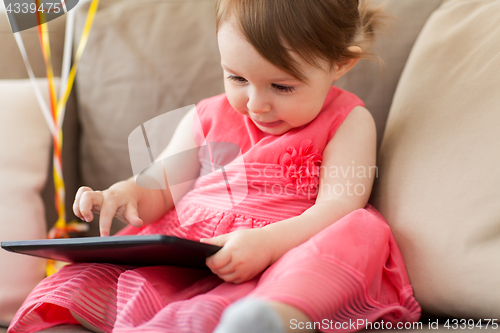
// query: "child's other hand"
[[244, 254], [119, 200]]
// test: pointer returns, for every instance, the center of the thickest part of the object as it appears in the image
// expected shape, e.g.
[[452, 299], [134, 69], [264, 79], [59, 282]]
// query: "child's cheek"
[[237, 99]]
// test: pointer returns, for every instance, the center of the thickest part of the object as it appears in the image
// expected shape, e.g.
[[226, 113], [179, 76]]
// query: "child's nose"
[[258, 103]]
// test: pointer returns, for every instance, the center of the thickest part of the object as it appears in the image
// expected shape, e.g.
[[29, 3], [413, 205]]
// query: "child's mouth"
[[271, 124]]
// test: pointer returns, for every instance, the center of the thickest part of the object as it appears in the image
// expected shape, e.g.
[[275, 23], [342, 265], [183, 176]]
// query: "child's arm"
[[246, 253], [130, 203], [352, 148]]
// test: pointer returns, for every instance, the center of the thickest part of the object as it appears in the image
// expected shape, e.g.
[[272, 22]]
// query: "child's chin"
[[279, 130]]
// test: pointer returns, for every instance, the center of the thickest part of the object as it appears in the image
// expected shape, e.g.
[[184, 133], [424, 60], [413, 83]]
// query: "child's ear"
[[345, 66]]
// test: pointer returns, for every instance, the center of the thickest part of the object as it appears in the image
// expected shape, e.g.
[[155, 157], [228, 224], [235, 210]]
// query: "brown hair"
[[313, 29]]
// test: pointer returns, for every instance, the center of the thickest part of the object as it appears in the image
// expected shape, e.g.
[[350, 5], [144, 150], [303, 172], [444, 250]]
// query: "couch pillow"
[[12, 67], [439, 162], [25, 143], [375, 83], [11, 62], [142, 59]]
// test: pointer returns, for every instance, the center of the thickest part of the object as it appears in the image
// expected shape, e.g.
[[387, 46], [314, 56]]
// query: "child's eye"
[[238, 79], [281, 88]]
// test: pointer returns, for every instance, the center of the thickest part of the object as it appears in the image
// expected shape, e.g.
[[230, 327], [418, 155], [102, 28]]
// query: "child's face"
[[274, 100]]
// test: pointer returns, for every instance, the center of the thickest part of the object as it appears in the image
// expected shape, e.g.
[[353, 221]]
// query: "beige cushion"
[[11, 62], [375, 84], [142, 59], [25, 145], [159, 71], [439, 162], [70, 167], [12, 67]]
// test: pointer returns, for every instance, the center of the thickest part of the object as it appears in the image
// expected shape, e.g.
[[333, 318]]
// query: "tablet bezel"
[[137, 250]]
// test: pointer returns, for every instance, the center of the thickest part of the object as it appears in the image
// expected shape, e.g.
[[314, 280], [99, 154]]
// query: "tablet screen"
[[142, 250]]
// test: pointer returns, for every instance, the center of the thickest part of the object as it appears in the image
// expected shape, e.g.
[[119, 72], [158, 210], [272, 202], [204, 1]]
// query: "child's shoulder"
[[212, 104], [338, 104], [338, 97], [214, 112], [218, 119]]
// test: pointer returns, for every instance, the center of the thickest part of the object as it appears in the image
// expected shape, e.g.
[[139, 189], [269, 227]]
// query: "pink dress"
[[347, 275]]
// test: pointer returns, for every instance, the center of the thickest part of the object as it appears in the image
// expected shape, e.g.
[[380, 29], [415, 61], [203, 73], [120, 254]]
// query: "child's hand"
[[244, 254], [119, 200]]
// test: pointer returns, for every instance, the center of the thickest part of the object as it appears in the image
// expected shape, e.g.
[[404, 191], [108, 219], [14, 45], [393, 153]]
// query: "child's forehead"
[[236, 51], [231, 23], [272, 47], [274, 75]]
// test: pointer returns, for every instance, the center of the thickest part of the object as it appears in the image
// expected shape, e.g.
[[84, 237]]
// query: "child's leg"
[[85, 289], [85, 323], [106, 295], [252, 315], [350, 273], [290, 313]]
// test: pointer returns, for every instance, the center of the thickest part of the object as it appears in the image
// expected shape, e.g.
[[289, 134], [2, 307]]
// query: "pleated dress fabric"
[[350, 274]]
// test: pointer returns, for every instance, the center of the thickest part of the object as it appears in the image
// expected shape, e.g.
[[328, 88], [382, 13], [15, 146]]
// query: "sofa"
[[435, 98]]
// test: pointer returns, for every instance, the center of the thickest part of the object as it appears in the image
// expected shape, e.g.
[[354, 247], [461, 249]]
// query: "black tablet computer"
[[142, 250]]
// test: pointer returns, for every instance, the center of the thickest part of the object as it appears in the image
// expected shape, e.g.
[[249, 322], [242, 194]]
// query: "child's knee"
[[294, 320], [85, 323]]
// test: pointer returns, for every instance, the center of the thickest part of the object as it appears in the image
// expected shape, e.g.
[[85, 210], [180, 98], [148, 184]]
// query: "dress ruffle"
[[201, 222], [350, 272], [207, 215]]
